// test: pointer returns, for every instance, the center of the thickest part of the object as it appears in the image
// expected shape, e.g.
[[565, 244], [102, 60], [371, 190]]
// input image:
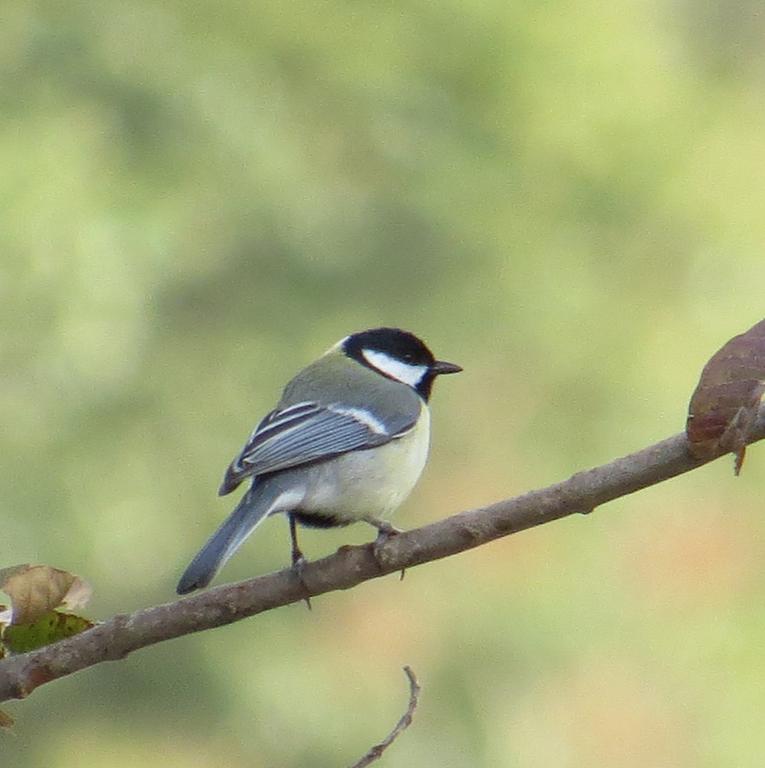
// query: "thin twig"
[[375, 753], [122, 634]]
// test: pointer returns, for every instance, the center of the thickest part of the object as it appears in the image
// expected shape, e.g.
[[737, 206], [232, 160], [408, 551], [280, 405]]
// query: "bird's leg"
[[384, 531], [298, 560]]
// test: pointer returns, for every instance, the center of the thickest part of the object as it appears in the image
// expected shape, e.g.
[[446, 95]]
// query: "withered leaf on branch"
[[37, 589], [36, 592], [723, 409]]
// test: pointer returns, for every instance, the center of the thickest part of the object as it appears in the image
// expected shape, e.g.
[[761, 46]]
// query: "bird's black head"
[[399, 355]]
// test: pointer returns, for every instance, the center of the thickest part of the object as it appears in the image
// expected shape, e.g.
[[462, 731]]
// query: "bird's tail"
[[255, 505]]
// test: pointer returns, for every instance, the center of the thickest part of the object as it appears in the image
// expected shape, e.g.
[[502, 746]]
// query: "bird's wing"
[[308, 432]]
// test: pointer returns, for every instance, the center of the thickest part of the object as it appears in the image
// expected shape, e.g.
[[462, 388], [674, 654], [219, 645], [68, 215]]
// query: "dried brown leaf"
[[37, 589], [724, 406]]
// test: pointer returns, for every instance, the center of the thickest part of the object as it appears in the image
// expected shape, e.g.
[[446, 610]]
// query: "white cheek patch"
[[396, 369]]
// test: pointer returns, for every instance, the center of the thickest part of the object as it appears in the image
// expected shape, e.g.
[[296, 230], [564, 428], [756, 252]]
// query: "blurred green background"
[[564, 197]]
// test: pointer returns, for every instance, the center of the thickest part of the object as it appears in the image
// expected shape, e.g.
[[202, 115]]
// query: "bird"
[[347, 442]]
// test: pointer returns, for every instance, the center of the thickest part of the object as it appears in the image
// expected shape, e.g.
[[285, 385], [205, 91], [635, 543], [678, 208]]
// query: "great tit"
[[346, 442]]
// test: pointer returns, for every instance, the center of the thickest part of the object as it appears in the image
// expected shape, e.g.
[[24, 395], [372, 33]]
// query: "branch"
[[375, 753], [117, 637]]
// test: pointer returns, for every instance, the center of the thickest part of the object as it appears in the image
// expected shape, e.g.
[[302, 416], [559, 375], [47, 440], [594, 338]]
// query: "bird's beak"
[[441, 366]]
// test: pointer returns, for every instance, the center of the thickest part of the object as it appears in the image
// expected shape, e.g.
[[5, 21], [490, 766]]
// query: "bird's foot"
[[298, 567], [384, 532]]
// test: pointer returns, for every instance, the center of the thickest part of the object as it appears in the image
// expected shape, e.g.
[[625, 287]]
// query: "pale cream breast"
[[372, 482]]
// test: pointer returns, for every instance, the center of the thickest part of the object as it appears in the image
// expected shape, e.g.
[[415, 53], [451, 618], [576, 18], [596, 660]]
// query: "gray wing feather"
[[308, 432], [321, 434]]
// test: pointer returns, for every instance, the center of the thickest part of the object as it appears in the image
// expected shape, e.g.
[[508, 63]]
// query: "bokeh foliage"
[[565, 197]]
